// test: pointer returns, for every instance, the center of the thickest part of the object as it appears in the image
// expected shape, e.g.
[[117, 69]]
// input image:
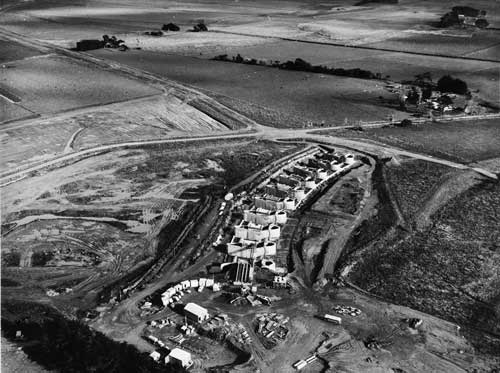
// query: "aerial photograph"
[[250, 186]]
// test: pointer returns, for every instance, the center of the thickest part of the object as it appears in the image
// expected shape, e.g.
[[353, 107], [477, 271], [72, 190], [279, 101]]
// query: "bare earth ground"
[[162, 116], [124, 198], [16, 361]]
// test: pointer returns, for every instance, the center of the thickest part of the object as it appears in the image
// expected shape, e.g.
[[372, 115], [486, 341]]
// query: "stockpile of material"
[[272, 327]]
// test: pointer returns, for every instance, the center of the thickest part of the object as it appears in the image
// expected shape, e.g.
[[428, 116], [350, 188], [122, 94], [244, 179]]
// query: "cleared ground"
[[16, 361], [162, 116], [83, 225]]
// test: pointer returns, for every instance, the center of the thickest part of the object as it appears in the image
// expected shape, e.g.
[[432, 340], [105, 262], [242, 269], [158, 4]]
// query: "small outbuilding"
[[155, 355], [196, 313], [179, 358]]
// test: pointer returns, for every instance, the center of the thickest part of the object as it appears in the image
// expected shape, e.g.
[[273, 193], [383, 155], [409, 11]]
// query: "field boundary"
[[365, 47]]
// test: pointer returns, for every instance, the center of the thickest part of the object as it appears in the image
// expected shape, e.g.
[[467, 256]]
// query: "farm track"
[[357, 46]]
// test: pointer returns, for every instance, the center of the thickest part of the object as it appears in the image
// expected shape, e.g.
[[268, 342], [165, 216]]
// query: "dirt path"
[[456, 183]]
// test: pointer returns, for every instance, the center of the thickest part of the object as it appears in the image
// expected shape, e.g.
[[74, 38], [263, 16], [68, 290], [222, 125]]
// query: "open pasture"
[[54, 84], [312, 97], [484, 76], [10, 111], [12, 51]]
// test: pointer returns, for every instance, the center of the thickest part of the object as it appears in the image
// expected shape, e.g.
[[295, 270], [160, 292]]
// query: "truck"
[[333, 319]]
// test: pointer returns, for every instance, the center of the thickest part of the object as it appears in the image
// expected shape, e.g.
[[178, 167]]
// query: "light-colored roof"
[[155, 355], [179, 354], [195, 309]]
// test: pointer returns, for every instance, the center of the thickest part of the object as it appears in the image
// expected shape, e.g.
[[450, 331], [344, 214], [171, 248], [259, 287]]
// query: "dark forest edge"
[[61, 344]]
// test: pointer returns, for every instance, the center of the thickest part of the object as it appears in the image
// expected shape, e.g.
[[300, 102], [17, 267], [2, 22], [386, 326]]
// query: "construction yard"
[[125, 203]]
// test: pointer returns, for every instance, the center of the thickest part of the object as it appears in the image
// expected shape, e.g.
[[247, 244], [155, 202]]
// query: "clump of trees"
[[300, 65], [200, 27], [64, 345], [170, 27], [464, 15], [449, 84]]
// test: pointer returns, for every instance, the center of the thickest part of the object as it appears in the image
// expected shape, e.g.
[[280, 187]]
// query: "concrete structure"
[[279, 282], [155, 355], [268, 202], [322, 174], [289, 204], [196, 313], [179, 358], [244, 272], [264, 216], [299, 194], [251, 249]]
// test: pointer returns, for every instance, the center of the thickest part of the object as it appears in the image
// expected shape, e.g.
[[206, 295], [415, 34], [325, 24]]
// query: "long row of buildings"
[[266, 211]]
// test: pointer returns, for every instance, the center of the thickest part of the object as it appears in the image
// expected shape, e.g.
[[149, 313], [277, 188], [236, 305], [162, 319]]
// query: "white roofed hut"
[[196, 313]]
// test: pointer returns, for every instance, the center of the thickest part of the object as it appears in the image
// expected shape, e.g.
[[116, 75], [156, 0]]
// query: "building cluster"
[[174, 293], [266, 210]]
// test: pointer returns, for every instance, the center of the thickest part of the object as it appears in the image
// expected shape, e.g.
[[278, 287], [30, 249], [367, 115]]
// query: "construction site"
[[250, 186]]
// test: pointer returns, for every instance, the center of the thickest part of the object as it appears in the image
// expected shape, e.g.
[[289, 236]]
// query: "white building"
[[178, 357], [196, 313], [155, 355]]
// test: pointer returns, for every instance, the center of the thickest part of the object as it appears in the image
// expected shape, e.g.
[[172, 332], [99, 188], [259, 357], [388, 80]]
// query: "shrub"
[[404, 123], [452, 85]]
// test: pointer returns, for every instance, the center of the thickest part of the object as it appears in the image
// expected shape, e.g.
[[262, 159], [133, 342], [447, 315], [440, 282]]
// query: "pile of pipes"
[[347, 310]]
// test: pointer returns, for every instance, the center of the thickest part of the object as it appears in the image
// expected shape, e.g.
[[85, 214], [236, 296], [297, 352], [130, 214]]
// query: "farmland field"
[[10, 111], [484, 76], [53, 84], [12, 51], [311, 97], [466, 141]]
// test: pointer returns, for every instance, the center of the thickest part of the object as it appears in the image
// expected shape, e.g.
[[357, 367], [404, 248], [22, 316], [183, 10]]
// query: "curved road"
[[268, 133]]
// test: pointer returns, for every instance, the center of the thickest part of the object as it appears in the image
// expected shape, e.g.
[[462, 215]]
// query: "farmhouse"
[[179, 358], [195, 313]]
